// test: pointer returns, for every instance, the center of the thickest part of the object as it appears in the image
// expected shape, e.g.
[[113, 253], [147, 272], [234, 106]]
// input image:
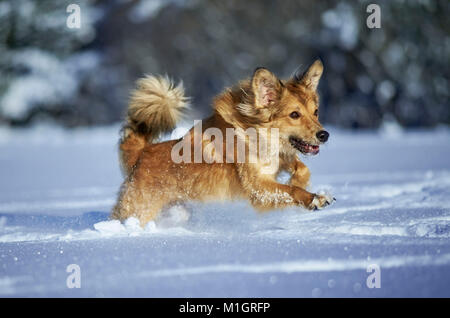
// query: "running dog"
[[154, 181]]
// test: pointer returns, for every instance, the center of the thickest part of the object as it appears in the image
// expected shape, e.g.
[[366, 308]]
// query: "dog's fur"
[[154, 181]]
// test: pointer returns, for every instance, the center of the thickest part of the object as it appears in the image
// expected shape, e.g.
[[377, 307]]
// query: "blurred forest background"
[[81, 77]]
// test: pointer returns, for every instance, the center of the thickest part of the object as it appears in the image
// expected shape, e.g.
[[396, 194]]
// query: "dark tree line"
[[82, 77]]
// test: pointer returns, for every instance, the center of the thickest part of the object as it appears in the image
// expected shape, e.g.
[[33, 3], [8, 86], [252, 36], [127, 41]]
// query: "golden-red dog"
[[155, 180]]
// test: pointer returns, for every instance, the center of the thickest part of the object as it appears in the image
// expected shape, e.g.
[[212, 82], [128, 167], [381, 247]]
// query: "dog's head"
[[292, 106]]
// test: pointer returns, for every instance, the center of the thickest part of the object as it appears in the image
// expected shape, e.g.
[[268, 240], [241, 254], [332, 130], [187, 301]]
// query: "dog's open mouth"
[[304, 147]]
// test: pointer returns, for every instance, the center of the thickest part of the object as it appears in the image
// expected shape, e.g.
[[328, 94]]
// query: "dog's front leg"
[[300, 174], [267, 194]]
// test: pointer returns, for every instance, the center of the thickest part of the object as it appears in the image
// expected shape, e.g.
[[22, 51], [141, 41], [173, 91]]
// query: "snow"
[[343, 19], [48, 81], [144, 10], [393, 209]]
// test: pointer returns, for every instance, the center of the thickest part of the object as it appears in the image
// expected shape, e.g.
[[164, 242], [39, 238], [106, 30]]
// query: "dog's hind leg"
[[138, 203]]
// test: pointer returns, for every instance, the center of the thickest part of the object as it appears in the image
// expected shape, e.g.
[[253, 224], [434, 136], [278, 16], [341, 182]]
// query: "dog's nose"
[[323, 135]]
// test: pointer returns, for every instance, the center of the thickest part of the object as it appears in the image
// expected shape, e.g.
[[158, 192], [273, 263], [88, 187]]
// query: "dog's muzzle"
[[304, 147]]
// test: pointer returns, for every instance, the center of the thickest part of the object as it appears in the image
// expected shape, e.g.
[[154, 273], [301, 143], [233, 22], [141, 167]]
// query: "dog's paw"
[[320, 201]]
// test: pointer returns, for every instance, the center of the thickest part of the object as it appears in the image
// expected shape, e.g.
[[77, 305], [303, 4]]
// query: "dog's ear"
[[266, 87], [311, 77]]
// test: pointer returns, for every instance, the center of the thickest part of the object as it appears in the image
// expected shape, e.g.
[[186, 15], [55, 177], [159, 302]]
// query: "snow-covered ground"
[[392, 210]]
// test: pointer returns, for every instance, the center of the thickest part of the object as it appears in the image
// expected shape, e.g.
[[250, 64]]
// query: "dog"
[[154, 181]]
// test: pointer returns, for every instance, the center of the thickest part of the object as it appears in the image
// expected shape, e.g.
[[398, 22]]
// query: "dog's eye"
[[294, 115], [316, 112]]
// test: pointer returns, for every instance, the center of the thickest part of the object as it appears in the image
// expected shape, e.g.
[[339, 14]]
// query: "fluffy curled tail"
[[155, 107]]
